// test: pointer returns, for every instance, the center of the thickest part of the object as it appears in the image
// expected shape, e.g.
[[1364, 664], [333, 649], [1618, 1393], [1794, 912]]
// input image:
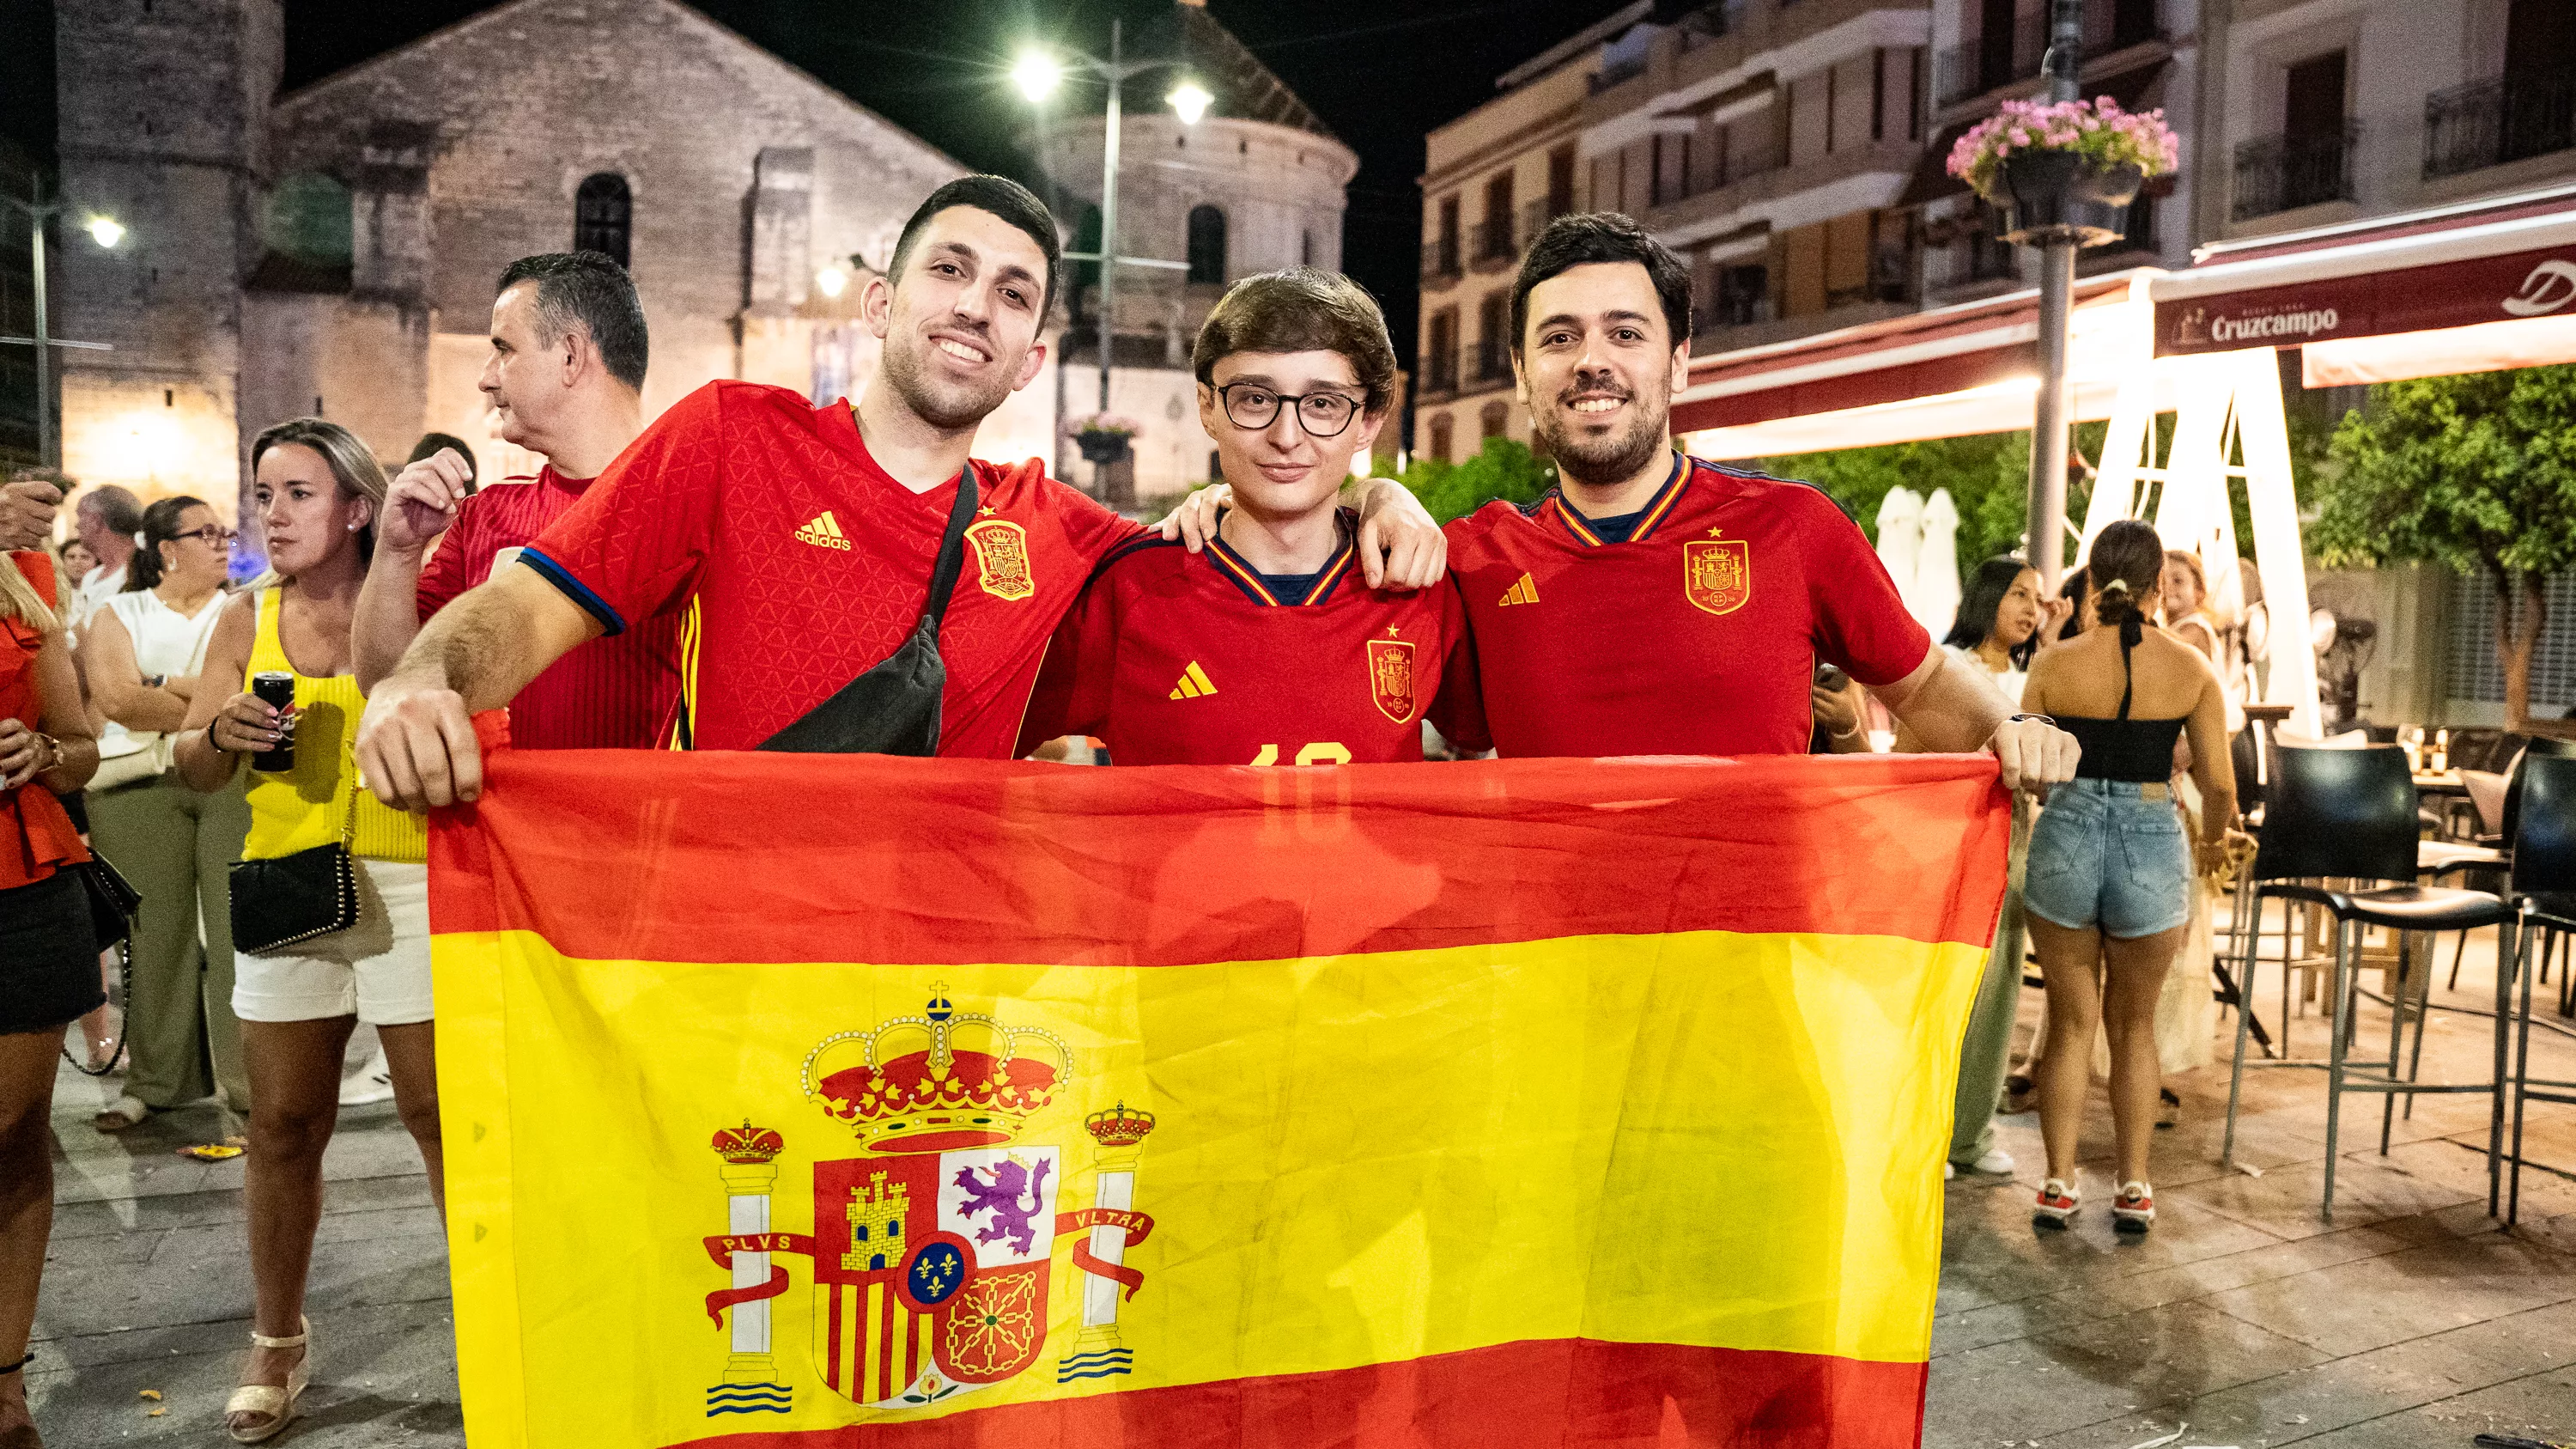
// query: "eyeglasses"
[[213, 535], [1321, 414]]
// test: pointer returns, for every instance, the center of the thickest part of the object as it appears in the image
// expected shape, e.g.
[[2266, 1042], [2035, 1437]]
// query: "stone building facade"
[[334, 250], [1255, 185]]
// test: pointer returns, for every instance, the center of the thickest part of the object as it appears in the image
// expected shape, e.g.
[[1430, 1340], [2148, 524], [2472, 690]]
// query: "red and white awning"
[[2469, 288]]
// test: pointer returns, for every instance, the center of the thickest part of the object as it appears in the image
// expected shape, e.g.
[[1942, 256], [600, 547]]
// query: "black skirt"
[[48, 955]]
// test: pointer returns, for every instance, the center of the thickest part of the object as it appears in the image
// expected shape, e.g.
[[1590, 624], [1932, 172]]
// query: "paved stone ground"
[[2410, 1320]]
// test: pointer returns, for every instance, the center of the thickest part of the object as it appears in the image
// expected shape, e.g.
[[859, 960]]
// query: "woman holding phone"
[[317, 488]]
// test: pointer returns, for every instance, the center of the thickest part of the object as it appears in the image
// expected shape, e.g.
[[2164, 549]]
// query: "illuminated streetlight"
[[107, 231], [1037, 75], [1189, 100], [832, 280]]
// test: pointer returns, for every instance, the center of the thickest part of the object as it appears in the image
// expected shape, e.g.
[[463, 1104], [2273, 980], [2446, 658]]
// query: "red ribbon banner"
[[1135, 1225], [722, 1250]]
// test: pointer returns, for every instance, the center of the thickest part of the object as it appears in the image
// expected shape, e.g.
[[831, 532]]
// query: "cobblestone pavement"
[[2410, 1320]]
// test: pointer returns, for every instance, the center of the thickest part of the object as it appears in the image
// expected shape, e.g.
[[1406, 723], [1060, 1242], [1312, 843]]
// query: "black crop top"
[[2138, 751]]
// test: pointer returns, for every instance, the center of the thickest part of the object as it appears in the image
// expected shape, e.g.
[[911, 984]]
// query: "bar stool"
[[2544, 898], [2349, 814]]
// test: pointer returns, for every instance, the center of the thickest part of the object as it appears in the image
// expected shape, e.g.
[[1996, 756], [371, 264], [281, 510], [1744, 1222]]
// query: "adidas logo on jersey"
[[1522, 592], [1194, 683], [824, 532]]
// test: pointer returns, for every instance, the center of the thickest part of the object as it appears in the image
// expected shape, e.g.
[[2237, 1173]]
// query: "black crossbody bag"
[[290, 899], [893, 709]]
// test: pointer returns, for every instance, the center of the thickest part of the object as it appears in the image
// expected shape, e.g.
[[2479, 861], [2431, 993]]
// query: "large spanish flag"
[[881, 1103]]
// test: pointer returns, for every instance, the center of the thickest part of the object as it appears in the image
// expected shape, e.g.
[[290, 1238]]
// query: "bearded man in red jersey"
[[566, 375], [1655, 603], [1267, 648], [809, 539]]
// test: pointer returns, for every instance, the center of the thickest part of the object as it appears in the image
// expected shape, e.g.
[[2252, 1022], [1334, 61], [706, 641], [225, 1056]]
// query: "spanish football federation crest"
[[1717, 573], [1390, 665], [932, 1247], [1002, 558]]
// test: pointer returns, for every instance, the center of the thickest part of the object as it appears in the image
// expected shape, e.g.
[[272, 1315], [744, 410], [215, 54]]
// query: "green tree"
[[1501, 469], [2477, 473]]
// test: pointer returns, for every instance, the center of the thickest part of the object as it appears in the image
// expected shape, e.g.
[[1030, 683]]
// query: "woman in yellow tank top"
[[317, 488]]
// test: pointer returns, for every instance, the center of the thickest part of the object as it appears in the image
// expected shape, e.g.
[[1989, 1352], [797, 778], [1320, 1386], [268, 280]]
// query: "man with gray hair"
[[106, 518], [566, 375]]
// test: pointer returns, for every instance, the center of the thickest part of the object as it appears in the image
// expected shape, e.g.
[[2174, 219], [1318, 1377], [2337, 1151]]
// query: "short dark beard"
[[949, 411], [1605, 462]]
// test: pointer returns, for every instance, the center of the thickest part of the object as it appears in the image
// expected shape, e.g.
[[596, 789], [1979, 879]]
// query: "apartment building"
[[2144, 54], [1771, 142]]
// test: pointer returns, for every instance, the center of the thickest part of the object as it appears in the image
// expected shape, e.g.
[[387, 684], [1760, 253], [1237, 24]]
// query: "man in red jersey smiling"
[[1654, 603], [807, 537], [566, 372], [1266, 649]]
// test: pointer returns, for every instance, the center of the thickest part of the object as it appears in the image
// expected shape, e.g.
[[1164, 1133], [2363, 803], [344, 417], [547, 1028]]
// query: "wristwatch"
[[156, 681], [53, 751]]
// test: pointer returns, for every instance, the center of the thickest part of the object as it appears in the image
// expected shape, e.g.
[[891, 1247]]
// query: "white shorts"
[[390, 988]]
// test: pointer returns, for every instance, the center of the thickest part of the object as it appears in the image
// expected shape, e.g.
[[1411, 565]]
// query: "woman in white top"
[[141, 653], [2001, 614]]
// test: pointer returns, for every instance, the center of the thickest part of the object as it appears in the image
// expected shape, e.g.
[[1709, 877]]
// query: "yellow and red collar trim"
[[1256, 586], [1657, 509]]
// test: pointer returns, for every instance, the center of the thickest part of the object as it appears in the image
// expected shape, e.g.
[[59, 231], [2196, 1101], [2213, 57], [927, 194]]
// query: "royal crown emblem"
[[938, 1081], [1717, 573], [932, 1251], [1002, 558], [1390, 668]]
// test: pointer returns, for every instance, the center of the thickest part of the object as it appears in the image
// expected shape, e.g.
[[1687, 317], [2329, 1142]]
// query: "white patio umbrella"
[[1900, 538], [1935, 598]]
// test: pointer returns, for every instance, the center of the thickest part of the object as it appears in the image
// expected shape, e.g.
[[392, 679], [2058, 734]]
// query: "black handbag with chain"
[[893, 709], [292, 898], [113, 900]]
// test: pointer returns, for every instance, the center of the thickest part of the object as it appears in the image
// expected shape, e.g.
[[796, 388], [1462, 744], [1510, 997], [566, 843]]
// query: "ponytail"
[[2126, 563]]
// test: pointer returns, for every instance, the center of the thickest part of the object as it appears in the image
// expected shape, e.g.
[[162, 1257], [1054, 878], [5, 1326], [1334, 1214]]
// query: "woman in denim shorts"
[[2110, 881]]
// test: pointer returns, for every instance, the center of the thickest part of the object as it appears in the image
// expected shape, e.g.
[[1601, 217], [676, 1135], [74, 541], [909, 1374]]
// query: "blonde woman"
[[141, 652], [48, 950], [318, 489]]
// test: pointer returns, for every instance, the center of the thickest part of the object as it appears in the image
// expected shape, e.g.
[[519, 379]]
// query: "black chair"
[[2544, 895], [2349, 815]]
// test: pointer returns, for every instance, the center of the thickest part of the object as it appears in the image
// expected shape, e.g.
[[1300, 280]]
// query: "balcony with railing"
[[1439, 372], [1993, 62], [1535, 215], [1440, 269], [1489, 244], [2283, 173], [1488, 363], [2512, 118]]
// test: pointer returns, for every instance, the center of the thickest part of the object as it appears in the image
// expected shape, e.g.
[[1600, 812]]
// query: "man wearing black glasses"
[[1268, 648]]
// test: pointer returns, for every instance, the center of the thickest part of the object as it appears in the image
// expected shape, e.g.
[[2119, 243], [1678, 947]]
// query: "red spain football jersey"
[[810, 565], [1698, 635], [1179, 659], [612, 693]]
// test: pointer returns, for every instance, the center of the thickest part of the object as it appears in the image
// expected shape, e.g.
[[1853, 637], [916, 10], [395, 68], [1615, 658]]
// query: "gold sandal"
[[278, 1404]]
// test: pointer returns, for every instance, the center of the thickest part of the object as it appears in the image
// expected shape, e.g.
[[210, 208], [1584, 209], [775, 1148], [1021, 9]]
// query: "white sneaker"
[[373, 1083], [1997, 1162]]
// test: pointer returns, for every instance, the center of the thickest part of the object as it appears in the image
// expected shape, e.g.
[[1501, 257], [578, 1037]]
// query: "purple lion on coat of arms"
[[1002, 1197]]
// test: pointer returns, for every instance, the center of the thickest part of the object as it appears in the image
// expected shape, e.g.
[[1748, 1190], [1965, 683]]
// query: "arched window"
[[1496, 419], [1440, 436], [602, 216], [1207, 245]]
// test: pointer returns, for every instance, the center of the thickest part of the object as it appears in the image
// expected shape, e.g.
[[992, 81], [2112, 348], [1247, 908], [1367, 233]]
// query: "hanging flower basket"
[[2065, 172], [1102, 438]]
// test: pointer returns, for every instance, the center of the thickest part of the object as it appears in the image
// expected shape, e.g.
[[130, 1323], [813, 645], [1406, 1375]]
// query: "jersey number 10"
[[1322, 752]]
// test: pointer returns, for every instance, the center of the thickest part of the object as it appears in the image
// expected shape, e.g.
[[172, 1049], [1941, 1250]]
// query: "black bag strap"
[[952, 551]]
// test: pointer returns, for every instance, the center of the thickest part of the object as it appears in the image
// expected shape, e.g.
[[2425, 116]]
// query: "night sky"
[[1379, 72]]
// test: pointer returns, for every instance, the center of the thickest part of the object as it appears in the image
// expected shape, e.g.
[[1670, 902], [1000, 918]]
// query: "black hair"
[[430, 443], [2073, 589], [1983, 601], [1004, 198], [592, 289], [160, 525], [2126, 565], [1603, 236]]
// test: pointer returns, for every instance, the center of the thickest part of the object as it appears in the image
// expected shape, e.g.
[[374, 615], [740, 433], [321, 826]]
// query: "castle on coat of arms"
[[932, 1250]]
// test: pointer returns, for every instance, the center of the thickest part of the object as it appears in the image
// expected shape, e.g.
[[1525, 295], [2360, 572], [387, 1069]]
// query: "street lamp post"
[[2056, 299], [1038, 74], [107, 233]]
